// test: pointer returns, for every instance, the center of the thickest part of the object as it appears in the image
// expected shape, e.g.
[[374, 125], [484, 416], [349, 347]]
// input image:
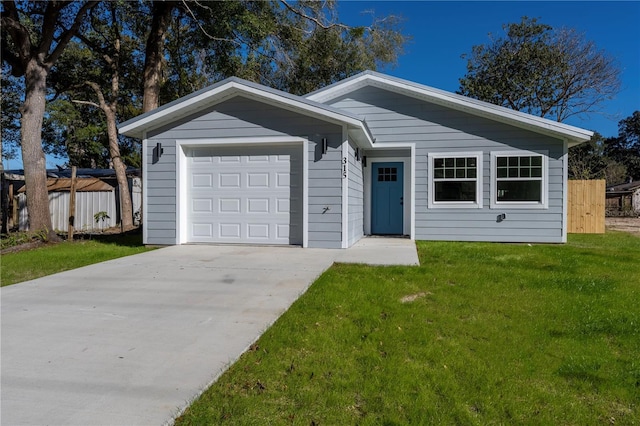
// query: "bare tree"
[[538, 70], [589, 76]]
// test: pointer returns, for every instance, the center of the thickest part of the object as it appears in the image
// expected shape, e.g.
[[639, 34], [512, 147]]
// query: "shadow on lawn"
[[131, 238]]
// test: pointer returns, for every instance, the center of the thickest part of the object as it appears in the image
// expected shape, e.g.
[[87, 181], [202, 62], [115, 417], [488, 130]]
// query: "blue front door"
[[386, 198]]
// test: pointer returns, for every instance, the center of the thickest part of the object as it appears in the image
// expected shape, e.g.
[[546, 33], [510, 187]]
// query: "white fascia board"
[[339, 88], [458, 102], [146, 122], [180, 109], [475, 107], [362, 136], [324, 111]]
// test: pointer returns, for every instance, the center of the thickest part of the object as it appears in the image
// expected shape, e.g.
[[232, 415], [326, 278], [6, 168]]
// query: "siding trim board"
[[565, 185], [344, 171], [144, 185]]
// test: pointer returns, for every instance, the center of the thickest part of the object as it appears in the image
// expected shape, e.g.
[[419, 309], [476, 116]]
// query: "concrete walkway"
[[133, 340]]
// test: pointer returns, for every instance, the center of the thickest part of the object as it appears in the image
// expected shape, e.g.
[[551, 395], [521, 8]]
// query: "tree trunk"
[[154, 54], [35, 170], [126, 207]]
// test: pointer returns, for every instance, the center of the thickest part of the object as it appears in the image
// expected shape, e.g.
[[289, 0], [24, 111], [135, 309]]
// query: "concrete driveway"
[[132, 341]]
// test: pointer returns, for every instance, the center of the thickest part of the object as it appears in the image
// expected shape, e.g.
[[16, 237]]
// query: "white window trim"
[[544, 204], [432, 204]]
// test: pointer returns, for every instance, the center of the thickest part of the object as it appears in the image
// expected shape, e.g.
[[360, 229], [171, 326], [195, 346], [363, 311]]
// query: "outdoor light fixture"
[[357, 154], [157, 152], [364, 161], [324, 145]]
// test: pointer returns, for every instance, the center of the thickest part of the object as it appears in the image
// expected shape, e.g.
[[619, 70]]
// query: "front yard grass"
[[52, 258], [479, 334]]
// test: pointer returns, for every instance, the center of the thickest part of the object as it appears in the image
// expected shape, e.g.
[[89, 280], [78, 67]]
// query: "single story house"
[[238, 162], [623, 199]]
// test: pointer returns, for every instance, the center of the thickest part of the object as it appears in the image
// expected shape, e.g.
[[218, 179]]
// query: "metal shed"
[[92, 196]]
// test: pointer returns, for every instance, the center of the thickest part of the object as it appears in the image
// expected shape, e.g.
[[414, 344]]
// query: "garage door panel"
[[258, 180], [202, 180], [229, 205], [202, 230], [258, 230], [229, 159], [258, 205], [229, 180], [244, 198], [202, 205], [229, 230]]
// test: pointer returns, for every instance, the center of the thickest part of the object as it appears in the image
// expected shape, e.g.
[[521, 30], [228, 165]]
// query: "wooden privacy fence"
[[585, 213]]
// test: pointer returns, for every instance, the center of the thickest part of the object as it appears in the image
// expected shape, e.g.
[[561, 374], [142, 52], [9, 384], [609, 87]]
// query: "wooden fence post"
[[72, 203]]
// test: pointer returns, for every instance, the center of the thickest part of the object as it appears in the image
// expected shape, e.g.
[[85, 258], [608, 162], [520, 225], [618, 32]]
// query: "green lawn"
[[52, 258], [479, 334]]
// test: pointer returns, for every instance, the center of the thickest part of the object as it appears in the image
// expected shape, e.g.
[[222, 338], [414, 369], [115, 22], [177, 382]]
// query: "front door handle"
[[402, 201]]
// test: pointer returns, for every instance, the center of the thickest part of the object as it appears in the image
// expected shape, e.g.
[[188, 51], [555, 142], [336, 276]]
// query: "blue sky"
[[443, 31]]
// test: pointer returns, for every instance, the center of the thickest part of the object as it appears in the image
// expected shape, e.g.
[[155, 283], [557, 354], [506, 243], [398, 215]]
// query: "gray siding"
[[242, 117], [356, 198], [396, 118], [325, 193]]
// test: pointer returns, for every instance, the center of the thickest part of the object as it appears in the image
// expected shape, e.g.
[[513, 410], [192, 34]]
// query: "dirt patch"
[[412, 297], [23, 247], [626, 224]]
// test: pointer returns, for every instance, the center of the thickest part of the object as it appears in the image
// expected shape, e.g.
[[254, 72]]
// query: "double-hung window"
[[518, 179], [455, 180]]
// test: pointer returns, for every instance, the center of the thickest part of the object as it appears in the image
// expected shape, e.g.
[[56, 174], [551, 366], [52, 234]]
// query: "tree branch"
[[50, 17], [93, 104], [197, 21], [316, 21], [19, 33], [96, 89], [67, 35]]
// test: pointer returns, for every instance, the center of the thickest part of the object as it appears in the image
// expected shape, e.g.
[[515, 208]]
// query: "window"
[[387, 174], [518, 179], [455, 180]]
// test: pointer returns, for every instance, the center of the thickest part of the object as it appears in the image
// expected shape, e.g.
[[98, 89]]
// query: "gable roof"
[[233, 86], [573, 135]]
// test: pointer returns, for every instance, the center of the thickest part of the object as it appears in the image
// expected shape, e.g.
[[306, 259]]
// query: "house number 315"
[[344, 167]]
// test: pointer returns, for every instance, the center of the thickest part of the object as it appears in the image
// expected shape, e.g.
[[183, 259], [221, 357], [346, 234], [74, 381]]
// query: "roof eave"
[[573, 135], [233, 87]]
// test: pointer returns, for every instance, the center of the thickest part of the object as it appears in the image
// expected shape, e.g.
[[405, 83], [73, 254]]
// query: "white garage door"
[[239, 198]]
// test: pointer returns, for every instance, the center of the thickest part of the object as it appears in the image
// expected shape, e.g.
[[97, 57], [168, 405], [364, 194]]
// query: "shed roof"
[[624, 187], [573, 135], [82, 185]]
